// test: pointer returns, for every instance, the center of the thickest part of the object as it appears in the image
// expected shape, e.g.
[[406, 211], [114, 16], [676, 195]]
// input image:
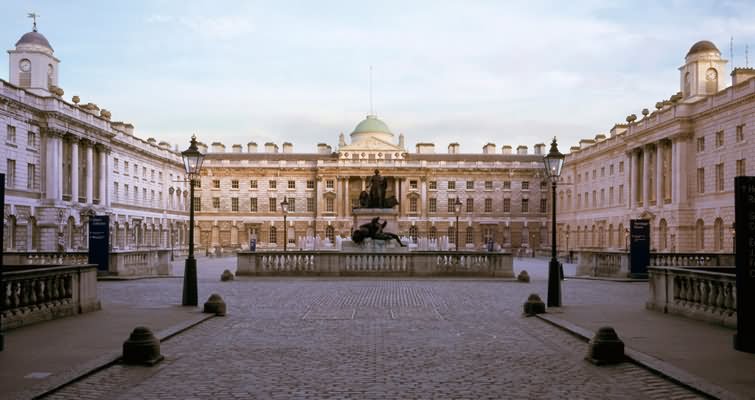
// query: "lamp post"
[[733, 238], [284, 208], [553, 163], [568, 256], [172, 240], [61, 242], [457, 211], [192, 159]]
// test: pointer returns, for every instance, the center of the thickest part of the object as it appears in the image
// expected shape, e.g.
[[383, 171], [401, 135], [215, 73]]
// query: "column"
[[103, 173], [52, 184], [646, 176], [347, 199], [679, 192], [75, 170], [90, 174], [423, 196], [59, 164], [659, 174], [631, 185]]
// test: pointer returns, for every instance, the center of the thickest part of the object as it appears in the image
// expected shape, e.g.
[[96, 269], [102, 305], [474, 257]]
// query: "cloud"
[[225, 27]]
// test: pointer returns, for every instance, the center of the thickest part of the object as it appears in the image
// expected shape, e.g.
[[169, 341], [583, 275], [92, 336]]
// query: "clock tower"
[[703, 71], [32, 64]]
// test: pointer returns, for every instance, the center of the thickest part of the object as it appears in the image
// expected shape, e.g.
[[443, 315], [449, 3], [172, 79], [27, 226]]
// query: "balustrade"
[[704, 295]]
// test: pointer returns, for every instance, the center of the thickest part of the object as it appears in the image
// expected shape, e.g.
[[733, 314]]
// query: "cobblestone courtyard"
[[369, 338]]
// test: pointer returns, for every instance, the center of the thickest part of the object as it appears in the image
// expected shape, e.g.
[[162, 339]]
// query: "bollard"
[[523, 277], [142, 348], [534, 305], [215, 305], [226, 276], [605, 347]]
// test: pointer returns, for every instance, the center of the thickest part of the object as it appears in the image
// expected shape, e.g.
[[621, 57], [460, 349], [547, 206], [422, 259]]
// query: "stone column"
[[679, 188], [423, 196], [53, 162], [347, 199], [631, 183], [90, 174], [75, 170], [659, 174], [646, 176], [103, 173]]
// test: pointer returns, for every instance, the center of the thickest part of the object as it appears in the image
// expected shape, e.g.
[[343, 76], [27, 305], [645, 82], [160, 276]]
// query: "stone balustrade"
[[413, 263], [702, 295], [32, 295], [146, 262], [690, 259], [45, 258], [603, 263]]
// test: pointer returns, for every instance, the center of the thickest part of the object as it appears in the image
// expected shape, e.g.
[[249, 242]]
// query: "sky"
[[473, 72]]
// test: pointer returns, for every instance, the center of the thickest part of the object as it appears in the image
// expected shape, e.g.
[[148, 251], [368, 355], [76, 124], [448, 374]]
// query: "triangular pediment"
[[371, 144]]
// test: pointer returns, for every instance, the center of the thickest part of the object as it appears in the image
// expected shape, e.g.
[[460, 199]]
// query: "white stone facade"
[[674, 166]]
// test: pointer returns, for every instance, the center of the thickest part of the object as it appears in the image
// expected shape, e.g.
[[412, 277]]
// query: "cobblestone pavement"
[[367, 338]]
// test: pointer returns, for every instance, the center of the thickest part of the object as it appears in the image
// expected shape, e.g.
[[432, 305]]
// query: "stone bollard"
[[534, 305], [226, 276], [215, 305], [523, 277], [142, 348], [605, 347]]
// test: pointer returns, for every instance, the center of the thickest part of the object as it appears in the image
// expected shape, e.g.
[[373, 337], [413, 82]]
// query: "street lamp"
[[192, 159], [457, 211], [284, 208], [553, 163], [734, 237]]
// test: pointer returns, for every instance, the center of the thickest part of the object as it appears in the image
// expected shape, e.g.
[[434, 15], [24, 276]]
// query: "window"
[[413, 232], [593, 174], [432, 205], [253, 184], [115, 190], [216, 202], [488, 205], [291, 204], [506, 185], [470, 185], [433, 185], [720, 177], [602, 171], [451, 185], [621, 167], [136, 170], [470, 235], [234, 203], [602, 197], [610, 196], [31, 176], [621, 194], [11, 135], [451, 203], [310, 184], [292, 184], [413, 184], [525, 185], [144, 172], [234, 183], [543, 205], [470, 205], [160, 175], [525, 205], [272, 184], [330, 234], [10, 179], [152, 175], [610, 170], [740, 133], [216, 183], [31, 139], [310, 204], [701, 180], [273, 235], [329, 183], [543, 185], [197, 183], [329, 205], [197, 204], [506, 205], [413, 205], [579, 200], [741, 167], [253, 204], [488, 185], [594, 198], [126, 191], [719, 139], [152, 196], [433, 233], [125, 167], [272, 204], [700, 144], [579, 178], [451, 234]]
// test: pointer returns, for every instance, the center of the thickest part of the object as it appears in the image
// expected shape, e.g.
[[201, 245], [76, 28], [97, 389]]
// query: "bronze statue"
[[377, 185], [374, 230]]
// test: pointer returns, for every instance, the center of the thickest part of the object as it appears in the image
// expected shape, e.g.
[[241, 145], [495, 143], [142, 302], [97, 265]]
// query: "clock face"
[[24, 65], [711, 74]]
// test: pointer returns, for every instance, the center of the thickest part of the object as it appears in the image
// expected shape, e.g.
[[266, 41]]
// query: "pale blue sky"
[[466, 71]]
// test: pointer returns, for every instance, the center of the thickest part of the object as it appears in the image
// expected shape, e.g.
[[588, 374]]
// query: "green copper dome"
[[371, 128]]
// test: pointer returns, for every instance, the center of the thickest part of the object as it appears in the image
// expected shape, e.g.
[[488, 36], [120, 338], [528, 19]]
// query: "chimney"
[[506, 149], [540, 149], [201, 147], [271, 147], [488, 148], [236, 148], [425, 148], [218, 147], [453, 148], [584, 143], [151, 140], [128, 129], [288, 147], [740, 75], [164, 145], [323, 148], [251, 147], [521, 150]]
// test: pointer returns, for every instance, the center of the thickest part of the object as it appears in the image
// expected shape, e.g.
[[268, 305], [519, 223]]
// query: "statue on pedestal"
[[376, 198], [374, 230]]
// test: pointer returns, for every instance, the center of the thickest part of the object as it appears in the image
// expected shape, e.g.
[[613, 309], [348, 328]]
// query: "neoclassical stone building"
[[674, 166], [66, 161]]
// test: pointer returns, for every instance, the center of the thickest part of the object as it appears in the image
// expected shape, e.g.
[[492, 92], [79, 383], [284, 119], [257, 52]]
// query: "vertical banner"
[[639, 247], [99, 242], [744, 206]]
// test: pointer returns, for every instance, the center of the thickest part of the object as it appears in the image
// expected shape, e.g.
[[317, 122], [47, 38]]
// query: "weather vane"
[[33, 16]]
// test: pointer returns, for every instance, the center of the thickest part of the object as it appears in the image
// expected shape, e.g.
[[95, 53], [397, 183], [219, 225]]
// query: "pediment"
[[371, 144]]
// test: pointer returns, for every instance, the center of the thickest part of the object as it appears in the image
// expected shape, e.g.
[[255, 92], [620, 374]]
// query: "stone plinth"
[[365, 215], [374, 246]]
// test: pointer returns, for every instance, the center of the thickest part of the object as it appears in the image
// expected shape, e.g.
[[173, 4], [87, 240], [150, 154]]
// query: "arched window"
[[700, 234], [718, 234], [470, 235], [273, 235], [662, 235], [330, 234], [711, 81], [413, 233]]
